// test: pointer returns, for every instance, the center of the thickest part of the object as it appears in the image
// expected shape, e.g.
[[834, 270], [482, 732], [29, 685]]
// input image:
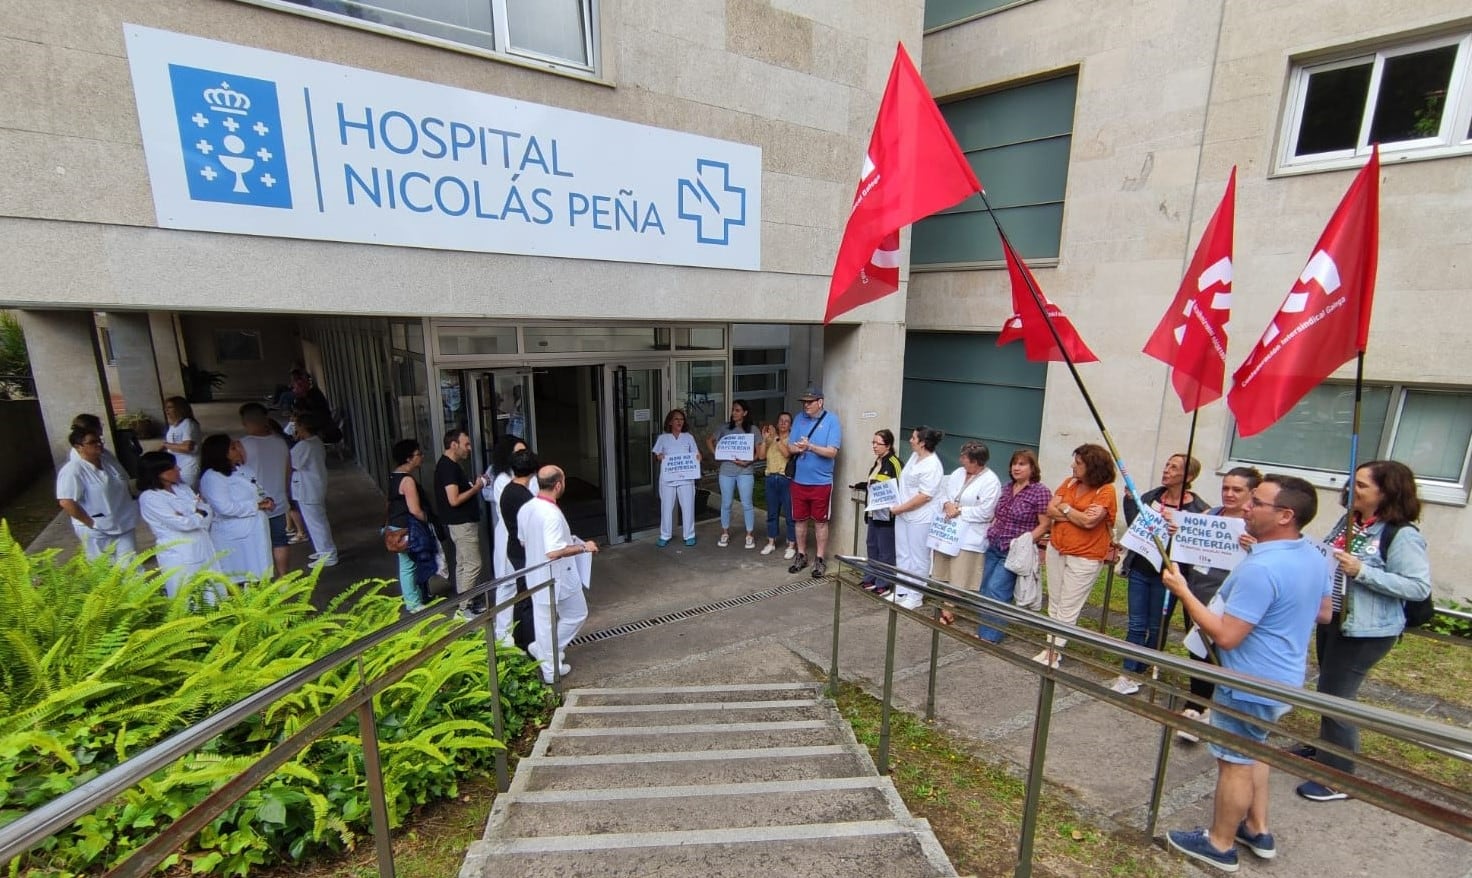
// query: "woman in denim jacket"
[[1371, 585]]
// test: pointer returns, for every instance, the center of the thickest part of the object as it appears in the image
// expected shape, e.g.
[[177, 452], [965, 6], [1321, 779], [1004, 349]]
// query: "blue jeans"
[[779, 503], [1147, 605], [745, 483], [997, 583], [880, 543]]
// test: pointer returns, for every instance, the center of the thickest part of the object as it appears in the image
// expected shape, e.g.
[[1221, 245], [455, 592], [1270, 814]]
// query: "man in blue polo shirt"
[[1270, 603], [813, 442]]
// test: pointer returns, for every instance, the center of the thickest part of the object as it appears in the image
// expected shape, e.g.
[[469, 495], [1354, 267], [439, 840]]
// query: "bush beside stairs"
[[713, 781]]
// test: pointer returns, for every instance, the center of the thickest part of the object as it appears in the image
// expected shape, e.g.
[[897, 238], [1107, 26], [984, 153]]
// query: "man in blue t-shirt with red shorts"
[[814, 442]]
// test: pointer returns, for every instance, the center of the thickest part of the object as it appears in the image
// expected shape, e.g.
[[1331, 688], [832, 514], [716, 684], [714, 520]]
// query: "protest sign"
[[1207, 540], [681, 468], [1138, 538], [883, 495], [945, 535], [736, 446]]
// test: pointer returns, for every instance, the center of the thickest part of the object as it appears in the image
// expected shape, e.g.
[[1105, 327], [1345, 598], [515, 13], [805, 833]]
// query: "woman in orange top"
[[1082, 512]]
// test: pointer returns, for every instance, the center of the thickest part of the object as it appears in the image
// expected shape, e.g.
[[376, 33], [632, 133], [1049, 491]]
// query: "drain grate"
[[681, 615]]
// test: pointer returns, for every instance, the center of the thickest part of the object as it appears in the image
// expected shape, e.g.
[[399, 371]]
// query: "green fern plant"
[[98, 664]]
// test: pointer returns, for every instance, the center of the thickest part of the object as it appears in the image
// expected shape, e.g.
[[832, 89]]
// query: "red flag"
[[1028, 323], [1192, 336], [913, 169], [1324, 321]]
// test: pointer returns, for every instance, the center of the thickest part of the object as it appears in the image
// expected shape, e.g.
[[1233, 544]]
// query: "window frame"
[[500, 36], [1453, 139], [1439, 491]]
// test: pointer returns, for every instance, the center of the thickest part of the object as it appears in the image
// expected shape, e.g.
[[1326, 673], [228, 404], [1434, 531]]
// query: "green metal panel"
[[939, 12], [1014, 115], [965, 385], [971, 237], [1020, 174]]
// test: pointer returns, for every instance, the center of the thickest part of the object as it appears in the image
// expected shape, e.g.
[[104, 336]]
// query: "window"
[[240, 345], [939, 13], [560, 33], [1427, 429], [1017, 141], [759, 376], [1411, 99]]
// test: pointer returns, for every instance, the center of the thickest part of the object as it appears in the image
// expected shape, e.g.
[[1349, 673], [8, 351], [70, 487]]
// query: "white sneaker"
[[1050, 657], [910, 600], [724, 541], [750, 542], [790, 553], [535, 651], [1185, 735], [324, 561], [768, 548], [1124, 685]]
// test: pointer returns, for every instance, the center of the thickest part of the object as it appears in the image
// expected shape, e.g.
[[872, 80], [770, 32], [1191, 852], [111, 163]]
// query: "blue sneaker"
[[1197, 846], [690, 542], [662, 542], [1317, 792], [1261, 844]]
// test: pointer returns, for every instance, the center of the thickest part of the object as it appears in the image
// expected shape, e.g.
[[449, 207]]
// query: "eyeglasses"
[[1253, 502], [92, 443]]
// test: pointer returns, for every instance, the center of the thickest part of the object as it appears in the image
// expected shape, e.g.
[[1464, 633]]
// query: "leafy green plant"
[[1452, 625], [97, 664], [15, 358]]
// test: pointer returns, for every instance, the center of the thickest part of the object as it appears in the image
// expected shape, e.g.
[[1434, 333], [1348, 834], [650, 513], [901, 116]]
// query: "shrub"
[[96, 664]]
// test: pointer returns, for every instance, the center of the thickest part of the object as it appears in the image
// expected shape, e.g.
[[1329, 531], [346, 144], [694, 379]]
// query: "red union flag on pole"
[[913, 169], [1324, 321], [1029, 324], [1192, 336]]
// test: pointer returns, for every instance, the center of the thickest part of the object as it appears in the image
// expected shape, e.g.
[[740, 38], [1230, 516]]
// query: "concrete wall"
[[1162, 115], [281, 346], [23, 436], [799, 79]]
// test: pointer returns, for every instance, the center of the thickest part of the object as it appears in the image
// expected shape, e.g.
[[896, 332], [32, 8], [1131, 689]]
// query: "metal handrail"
[[1428, 801], [19, 836]]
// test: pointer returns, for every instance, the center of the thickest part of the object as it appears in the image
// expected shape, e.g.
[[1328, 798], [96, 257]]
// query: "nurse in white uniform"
[[240, 529], [179, 518], [183, 437]]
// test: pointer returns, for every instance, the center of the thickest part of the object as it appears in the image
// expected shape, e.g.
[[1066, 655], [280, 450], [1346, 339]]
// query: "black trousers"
[[1344, 663]]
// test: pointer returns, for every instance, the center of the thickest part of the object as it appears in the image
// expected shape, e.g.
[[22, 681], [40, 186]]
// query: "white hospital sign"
[[251, 142]]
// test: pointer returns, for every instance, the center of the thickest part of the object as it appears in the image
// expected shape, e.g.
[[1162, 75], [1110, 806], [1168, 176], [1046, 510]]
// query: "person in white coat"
[[672, 488], [498, 476], [970, 497], [920, 485], [179, 518], [309, 487], [240, 506], [183, 438], [545, 533], [92, 489]]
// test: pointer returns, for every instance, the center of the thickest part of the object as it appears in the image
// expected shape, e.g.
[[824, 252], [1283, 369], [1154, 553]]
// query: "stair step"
[[688, 769], [685, 738], [597, 812], [702, 712], [880, 847], [690, 694]]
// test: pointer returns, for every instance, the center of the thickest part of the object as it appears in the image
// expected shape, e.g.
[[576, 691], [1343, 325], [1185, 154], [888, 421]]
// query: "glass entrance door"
[[638, 401], [499, 407]]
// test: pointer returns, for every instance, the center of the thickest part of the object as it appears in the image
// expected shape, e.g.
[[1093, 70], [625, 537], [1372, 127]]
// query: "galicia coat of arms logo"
[[230, 135]]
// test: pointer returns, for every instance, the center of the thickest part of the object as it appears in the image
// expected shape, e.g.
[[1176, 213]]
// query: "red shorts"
[[811, 501]]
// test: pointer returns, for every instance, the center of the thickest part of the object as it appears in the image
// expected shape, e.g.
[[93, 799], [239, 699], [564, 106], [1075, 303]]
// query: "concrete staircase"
[[711, 781]]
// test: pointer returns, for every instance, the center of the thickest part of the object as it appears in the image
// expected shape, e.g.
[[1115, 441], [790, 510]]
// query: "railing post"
[[934, 659], [1035, 776], [833, 662], [498, 720], [894, 616], [1108, 587], [377, 801], [556, 658], [1157, 790]]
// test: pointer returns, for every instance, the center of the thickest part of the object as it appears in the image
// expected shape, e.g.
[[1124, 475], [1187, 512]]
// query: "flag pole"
[[1354, 434], [1170, 599], [1037, 297]]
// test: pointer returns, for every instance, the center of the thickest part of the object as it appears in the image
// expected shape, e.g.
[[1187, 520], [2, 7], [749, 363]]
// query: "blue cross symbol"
[[712, 201]]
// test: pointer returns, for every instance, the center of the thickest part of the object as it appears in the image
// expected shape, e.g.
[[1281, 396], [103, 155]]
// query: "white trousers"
[[668, 494], [505, 592], [1070, 579], [121, 546], [910, 552], [572, 612], [314, 516]]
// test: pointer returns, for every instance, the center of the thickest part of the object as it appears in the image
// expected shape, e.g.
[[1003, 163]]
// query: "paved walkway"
[[1103, 756]]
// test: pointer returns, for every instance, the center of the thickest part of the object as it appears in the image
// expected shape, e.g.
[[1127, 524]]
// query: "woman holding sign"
[[920, 486], [679, 467], [1380, 564], [970, 500], [1082, 512], [736, 454], [1237, 487], [1147, 591], [880, 538]]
